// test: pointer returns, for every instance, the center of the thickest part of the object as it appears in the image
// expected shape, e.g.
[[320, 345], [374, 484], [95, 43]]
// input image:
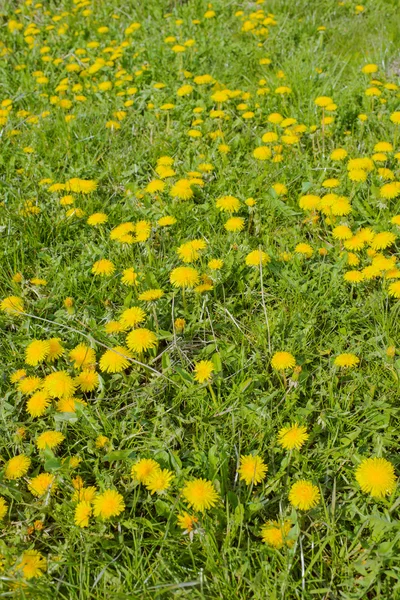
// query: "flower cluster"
[[200, 286]]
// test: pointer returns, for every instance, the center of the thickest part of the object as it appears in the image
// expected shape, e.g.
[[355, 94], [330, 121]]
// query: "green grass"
[[348, 546]]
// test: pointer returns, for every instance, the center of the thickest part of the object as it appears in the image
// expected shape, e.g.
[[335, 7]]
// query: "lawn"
[[199, 299]]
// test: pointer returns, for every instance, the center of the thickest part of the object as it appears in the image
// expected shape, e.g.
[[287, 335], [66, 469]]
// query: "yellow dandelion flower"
[[371, 272], [115, 360], [142, 231], [97, 219], [84, 494], [304, 249], [390, 190], [165, 171], [187, 522], [203, 287], [235, 224], [140, 340], [27, 385], [203, 371], [383, 147], [103, 267], [184, 277], [366, 234], [83, 186], [257, 257], [309, 202], [391, 351], [228, 204], [73, 461], [187, 253], [342, 232], [369, 68], [383, 240], [182, 190], [365, 164], [59, 385], [252, 469], [83, 356], [200, 494], [101, 441], [17, 466], [55, 349], [32, 564], [165, 161], [122, 233], [151, 295], [354, 243], [224, 148], [3, 508], [129, 277], [394, 289], [323, 101], [352, 259], [159, 481], [339, 154], [280, 189], [87, 380], [292, 436], [262, 153], [282, 361], [12, 305], [275, 534], [113, 327], [215, 264], [385, 173], [376, 477], [179, 324], [166, 221], [395, 117], [270, 137], [346, 360], [154, 186], [36, 352], [353, 276], [41, 484], [304, 495], [49, 439], [108, 504], [358, 175], [144, 468], [69, 304], [67, 200], [68, 405], [341, 207], [17, 375], [132, 317], [37, 404], [83, 511], [331, 183], [185, 90]]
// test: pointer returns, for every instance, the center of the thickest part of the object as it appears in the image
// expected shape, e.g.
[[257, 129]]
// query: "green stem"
[[184, 300], [213, 395], [155, 318]]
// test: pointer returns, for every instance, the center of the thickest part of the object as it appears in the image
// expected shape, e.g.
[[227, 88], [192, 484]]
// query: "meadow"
[[199, 299]]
